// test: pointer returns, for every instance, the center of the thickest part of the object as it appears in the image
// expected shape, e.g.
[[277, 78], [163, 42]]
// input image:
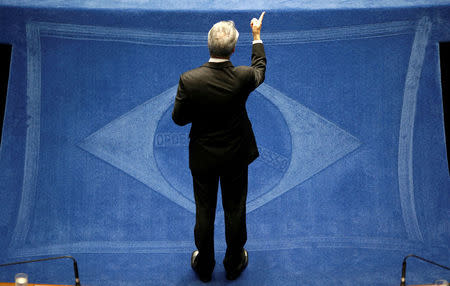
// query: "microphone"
[[75, 265], [402, 283]]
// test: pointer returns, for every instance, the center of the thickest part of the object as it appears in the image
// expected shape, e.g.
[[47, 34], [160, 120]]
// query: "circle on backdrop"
[[272, 135]]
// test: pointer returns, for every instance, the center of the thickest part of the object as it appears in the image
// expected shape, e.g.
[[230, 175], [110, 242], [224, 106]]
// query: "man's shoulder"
[[243, 68], [243, 72], [194, 73], [205, 71]]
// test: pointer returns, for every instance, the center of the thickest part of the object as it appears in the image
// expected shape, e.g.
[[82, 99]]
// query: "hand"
[[256, 25]]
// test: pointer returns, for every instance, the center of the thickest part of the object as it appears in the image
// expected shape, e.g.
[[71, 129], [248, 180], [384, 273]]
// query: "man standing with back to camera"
[[222, 144]]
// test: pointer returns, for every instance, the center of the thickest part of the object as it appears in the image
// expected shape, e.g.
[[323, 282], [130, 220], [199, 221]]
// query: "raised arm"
[[258, 53]]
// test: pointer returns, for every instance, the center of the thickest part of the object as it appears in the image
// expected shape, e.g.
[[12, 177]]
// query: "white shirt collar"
[[217, 60]]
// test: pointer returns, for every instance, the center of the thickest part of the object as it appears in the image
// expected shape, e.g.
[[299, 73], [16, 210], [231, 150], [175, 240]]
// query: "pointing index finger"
[[262, 16]]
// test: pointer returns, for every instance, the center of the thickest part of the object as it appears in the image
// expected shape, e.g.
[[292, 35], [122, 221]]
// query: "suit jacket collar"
[[218, 65]]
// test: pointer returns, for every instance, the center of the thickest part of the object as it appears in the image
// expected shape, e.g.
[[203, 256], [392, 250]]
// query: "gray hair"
[[222, 39]]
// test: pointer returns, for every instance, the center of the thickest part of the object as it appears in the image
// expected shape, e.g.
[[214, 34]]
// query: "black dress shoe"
[[194, 264], [235, 273]]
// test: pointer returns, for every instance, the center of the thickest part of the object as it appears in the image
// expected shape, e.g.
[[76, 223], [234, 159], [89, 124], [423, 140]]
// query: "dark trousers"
[[234, 196]]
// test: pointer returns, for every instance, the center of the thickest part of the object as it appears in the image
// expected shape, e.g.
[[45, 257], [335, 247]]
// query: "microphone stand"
[[402, 283], [75, 265]]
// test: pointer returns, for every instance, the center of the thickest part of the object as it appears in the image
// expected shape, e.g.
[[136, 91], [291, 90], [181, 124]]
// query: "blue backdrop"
[[349, 122]]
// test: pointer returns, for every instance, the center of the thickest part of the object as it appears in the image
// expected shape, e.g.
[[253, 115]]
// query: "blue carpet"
[[349, 122]]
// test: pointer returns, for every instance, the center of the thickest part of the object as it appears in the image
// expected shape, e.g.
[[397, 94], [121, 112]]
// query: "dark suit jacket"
[[212, 97]]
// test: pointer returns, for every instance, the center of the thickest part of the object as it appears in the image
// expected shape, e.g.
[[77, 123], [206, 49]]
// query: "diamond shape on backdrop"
[[127, 144]]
